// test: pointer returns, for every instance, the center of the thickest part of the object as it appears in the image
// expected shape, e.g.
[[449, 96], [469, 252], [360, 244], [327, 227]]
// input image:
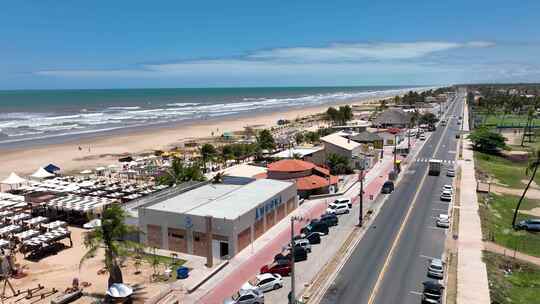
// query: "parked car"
[[266, 282], [330, 219], [251, 296], [529, 225], [342, 201], [422, 137], [436, 269], [300, 254], [339, 208], [388, 187], [313, 237], [448, 188], [450, 172], [315, 226], [282, 268], [432, 293], [443, 221], [446, 196], [303, 243]]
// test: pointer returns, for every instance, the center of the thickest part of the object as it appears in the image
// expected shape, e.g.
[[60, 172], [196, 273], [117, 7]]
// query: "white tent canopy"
[[42, 173], [86, 171], [13, 179]]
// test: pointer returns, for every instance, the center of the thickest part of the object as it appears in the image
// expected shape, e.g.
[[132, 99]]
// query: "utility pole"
[[361, 194], [292, 298], [395, 152]]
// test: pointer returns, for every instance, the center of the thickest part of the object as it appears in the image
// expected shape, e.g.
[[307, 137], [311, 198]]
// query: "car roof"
[[437, 262], [432, 285], [264, 276]]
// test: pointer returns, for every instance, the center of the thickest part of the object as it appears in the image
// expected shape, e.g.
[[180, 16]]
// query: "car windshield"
[[333, 206], [436, 267]]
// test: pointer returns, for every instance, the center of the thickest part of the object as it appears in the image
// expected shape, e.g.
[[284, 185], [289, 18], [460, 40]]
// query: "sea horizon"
[[29, 117]]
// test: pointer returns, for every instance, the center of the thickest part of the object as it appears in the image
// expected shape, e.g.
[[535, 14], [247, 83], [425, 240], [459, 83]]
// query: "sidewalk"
[[472, 280], [492, 247], [247, 263]]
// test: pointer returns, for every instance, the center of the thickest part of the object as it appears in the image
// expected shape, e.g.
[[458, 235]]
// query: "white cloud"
[[337, 61], [362, 51]]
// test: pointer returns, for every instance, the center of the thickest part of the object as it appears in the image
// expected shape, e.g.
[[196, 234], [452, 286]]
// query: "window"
[[197, 239], [178, 236]]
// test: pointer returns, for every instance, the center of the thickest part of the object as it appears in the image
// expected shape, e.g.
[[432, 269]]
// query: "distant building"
[[336, 144], [392, 118], [310, 154], [369, 138], [309, 178], [216, 220]]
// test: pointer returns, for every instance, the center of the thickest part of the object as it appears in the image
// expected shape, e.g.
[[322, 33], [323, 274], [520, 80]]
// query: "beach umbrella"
[[41, 173], [13, 179], [86, 171], [100, 168]]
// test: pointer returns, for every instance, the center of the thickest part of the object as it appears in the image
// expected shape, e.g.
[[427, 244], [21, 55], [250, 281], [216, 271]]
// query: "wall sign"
[[267, 207]]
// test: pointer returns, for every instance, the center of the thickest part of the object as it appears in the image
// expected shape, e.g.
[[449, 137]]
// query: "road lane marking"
[[416, 293], [403, 224]]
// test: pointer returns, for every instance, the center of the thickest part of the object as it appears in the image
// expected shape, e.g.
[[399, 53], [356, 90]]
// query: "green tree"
[[345, 114], [487, 141], [338, 164], [534, 162], [110, 237], [332, 114], [180, 173], [265, 140], [208, 153], [428, 119], [299, 138], [527, 129]]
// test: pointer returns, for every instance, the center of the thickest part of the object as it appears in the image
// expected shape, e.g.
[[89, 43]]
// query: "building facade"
[[216, 220]]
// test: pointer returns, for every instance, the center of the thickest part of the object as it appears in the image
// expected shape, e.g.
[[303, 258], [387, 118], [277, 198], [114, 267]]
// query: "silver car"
[[436, 269], [246, 296]]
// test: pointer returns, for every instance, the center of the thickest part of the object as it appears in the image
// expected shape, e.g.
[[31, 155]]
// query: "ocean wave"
[[124, 108], [183, 104]]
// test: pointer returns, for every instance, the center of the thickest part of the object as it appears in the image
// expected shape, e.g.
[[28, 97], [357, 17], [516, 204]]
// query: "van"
[[388, 187]]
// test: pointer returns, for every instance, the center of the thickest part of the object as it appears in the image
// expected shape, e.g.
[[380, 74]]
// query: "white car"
[[339, 208], [247, 296], [446, 196], [422, 137], [448, 188], [342, 201], [267, 281], [443, 221]]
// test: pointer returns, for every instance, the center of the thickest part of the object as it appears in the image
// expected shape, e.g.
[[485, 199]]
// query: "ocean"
[[28, 116]]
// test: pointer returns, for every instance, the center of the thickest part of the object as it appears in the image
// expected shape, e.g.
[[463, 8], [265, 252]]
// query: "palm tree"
[[109, 237], [528, 125], [179, 173], [534, 162], [208, 153]]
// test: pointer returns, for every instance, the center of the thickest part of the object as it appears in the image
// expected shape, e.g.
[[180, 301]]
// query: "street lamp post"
[[395, 152]]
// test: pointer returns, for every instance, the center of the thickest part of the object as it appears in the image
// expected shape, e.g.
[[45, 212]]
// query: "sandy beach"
[[104, 150]]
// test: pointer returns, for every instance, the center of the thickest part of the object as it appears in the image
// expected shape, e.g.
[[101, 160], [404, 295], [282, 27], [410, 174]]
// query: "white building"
[[216, 220]]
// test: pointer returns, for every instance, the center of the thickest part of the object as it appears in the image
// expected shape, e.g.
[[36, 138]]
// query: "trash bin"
[[182, 273]]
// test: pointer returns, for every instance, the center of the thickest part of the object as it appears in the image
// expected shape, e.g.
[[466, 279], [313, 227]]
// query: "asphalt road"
[[371, 273]]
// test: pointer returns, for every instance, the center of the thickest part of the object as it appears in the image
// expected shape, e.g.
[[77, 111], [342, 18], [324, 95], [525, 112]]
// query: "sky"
[[51, 44]]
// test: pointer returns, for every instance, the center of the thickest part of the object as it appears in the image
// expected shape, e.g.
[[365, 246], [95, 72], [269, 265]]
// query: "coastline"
[[105, 149]]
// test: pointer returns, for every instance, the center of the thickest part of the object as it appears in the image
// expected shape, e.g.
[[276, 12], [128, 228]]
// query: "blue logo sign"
[[267, 207], [188, 223]]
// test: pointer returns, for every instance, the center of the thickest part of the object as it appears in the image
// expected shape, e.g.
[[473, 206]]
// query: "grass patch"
[[161, 263], [508, 173], [496, 216], [512, 281], [451, 290], [509, 120]]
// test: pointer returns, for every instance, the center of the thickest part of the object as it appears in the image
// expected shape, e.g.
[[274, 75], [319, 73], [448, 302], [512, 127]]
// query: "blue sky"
[[50, 44]]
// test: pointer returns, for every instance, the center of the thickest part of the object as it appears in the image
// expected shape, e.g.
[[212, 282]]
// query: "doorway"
[[223, 250]]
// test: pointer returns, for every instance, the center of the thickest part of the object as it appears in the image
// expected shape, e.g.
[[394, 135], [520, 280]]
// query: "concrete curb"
[[208, 277]]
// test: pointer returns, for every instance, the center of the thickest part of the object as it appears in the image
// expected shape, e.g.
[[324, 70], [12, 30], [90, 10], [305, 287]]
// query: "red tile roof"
[[314, 182], [290, 165]]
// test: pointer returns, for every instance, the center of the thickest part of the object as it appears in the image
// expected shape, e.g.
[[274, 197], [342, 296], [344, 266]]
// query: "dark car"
[[313, 238], [329, 219], [432, 293], [388, 187], [283, 269], [315, 226], [529, 225], [300, 254]]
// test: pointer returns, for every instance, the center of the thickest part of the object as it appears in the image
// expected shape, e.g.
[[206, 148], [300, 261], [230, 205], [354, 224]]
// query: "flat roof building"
[[216, 220]]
